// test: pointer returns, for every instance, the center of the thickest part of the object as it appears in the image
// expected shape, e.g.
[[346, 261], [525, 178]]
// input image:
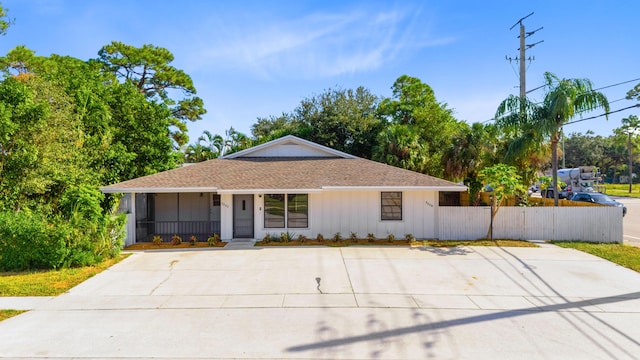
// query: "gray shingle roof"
[[281, 173]]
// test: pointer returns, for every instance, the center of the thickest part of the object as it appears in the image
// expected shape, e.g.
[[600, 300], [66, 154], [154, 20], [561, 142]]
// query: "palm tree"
[[214, 143], [565, 98]]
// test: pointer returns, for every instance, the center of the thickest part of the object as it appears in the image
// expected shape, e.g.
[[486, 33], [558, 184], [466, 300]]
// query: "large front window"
[[289, 209], [391, 205]]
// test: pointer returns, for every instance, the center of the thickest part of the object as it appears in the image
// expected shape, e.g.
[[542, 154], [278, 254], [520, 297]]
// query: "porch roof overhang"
[[141, 190]]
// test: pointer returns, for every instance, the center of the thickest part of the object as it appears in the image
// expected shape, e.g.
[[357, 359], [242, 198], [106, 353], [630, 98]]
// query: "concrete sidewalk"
[[341, 303]]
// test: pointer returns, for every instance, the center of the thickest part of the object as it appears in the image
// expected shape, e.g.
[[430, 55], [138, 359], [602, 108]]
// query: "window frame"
[[388, 214], [287, 223]]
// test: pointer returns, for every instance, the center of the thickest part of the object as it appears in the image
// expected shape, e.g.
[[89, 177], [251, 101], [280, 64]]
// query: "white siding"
[[226, 216], [359, 211], [594, 224], [289, 150]]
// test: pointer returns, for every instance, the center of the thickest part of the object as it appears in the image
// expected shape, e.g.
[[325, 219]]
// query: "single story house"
[[286, 185]]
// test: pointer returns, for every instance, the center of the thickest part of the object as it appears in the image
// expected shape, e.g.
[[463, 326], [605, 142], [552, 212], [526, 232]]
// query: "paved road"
[[631, 222], [340, 303]]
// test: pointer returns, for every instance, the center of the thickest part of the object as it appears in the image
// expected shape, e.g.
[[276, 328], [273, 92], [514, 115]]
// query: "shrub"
[[176, 239], [193, 240], [409, 237], [319, 237], [337, 237], [285, 237], [213, 240], [391, 238], [353, 236], [267, 238], [301, 239], [29, 241], [157, 240], [371, 237]]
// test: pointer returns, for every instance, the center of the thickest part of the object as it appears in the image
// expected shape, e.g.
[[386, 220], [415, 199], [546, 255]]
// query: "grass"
[[49, 282], [5, 314], [623, 190], [621, 254]]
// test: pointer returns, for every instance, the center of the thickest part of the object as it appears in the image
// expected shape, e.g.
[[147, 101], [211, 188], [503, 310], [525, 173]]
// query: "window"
[[391, 205], [297, 210], [295, 216], [274, 210]]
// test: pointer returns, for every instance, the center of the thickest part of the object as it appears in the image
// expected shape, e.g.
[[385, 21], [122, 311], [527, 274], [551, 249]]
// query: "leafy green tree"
[[471, 148], [504, 182], [341, 119], [584, 149], [273, 127], [630, 128], [400, 145], [148, 69], [414, 105], [565, 98], [40, 139], [5, 20]]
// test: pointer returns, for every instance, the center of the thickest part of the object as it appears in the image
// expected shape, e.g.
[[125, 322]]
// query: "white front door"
[[243, 216]]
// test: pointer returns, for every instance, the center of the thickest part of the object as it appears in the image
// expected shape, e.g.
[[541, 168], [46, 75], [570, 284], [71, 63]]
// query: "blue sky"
[[251, 59]]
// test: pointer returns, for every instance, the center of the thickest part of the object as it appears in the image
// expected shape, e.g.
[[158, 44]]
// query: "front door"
[[243, 216]]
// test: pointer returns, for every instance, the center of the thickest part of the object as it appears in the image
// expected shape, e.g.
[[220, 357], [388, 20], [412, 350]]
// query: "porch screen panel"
[[297, 210], [391, 205], [274, 210]]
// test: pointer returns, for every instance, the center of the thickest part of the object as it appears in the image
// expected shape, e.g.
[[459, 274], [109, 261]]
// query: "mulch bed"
[[167, 245]]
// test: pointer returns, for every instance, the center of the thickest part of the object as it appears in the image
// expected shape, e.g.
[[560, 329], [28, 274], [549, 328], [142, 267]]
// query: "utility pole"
[[523, 56]]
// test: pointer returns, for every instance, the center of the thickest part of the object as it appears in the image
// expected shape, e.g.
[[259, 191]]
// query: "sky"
[[256, 59]]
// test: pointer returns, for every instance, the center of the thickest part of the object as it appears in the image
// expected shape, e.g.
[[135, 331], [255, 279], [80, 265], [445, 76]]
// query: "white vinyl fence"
[[593, 224]]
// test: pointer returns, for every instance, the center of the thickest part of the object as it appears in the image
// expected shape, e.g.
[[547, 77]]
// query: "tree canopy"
[[148, 69]]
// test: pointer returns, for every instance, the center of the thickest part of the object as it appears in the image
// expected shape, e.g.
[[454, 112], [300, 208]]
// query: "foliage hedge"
[[31, 241]]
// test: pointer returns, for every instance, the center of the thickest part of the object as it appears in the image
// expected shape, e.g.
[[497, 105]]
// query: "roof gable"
[[290, 146]]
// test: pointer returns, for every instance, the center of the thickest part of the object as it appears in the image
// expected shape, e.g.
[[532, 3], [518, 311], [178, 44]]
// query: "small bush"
[[266, 239], [193, 240], [285, 237], [409, 237], [157, 240], [213, 240], [353, 236], [301, 239], [391, 238], [337, 237], [176, 240], [319, 237], [371, 237]]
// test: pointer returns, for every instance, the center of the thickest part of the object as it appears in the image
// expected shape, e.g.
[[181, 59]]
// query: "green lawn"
[[46, 283], [623, 190], [623, 255]]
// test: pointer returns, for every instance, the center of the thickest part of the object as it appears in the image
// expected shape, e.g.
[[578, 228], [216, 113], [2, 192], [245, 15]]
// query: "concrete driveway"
[[341, 303]]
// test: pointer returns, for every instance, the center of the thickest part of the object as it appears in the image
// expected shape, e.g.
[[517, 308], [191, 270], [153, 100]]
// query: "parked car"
[[598, 198]]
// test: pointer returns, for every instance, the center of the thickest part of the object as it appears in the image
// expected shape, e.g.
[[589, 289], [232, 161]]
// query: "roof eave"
[[454, 188], [111, 190]]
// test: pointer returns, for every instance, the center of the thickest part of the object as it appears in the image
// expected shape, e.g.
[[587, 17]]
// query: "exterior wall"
[[289, 149], [593, 224], [359, 211], [226, 216]]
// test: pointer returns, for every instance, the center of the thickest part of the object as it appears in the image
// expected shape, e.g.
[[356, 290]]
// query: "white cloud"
[[313, 46]]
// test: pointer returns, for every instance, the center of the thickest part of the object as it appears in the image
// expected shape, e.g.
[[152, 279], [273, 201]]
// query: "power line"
[[604, 87], [605, 114]]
